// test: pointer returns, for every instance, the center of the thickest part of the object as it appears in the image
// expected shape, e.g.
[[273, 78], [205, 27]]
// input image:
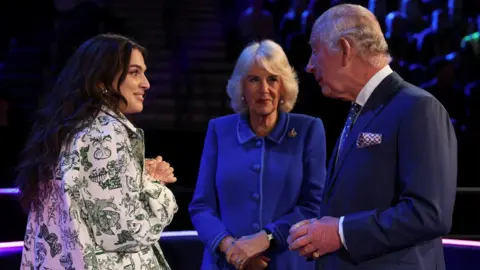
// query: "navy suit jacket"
[[397, 196], [247, 182]]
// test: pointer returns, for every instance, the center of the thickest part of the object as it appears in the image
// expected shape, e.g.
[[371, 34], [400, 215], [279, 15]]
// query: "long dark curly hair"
[[84, 85]]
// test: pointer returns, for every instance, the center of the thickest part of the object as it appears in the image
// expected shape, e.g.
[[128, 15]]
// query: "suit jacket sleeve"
[[427, 172], [310, 197], [204, 207], [123, 213]]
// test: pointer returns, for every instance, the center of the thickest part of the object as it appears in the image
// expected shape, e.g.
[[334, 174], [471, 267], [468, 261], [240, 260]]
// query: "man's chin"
[[330, 94], [327, 92]]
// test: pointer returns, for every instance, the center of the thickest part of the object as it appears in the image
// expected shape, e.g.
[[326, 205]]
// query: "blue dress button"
[[256, 167], [259, 143], [256, 226], [255, 196]]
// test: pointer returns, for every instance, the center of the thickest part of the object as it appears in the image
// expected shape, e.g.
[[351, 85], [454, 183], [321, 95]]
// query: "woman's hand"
[[247, 248], [258, 263], [226, 243], [160, 170]]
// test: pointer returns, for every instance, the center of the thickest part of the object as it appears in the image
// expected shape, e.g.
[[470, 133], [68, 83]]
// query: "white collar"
[[374, 81]]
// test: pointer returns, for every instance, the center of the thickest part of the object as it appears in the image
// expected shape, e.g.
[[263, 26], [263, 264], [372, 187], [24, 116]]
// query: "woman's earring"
[[281, 101], [243, 98], [104, 91]]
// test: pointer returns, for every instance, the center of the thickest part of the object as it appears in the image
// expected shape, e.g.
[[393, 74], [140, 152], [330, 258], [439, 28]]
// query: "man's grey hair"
[[358, 26]]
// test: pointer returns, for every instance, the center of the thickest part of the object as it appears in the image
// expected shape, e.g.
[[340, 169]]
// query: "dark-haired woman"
[[94, 201]]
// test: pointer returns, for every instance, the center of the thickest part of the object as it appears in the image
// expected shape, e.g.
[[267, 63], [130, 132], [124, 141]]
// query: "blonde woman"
[[262, 168]]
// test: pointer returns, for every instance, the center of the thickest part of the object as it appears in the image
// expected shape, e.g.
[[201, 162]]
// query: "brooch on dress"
[[292, 133]]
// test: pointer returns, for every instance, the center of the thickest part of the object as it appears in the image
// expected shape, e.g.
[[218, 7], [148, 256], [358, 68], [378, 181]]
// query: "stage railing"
[[184, 250], [459, 253]]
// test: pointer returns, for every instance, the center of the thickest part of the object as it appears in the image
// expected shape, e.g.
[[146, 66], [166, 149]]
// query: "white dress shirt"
[[361, 100]]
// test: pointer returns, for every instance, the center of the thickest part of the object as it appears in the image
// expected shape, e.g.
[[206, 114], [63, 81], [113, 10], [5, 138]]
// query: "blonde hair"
[[270, 56], [357, 25]]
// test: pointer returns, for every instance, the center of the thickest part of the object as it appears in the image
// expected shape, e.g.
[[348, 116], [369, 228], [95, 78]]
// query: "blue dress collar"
[[245, 133]]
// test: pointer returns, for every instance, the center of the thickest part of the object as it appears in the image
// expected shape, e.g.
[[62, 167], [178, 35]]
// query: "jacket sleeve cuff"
[[278, 238], [216, 243], [340, 232]]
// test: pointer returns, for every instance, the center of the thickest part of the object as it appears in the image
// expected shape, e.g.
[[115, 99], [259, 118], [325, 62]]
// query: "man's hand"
[[315, 238]]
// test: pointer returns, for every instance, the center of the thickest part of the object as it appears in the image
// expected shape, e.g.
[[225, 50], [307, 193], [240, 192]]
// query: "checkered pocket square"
[[366, 139]]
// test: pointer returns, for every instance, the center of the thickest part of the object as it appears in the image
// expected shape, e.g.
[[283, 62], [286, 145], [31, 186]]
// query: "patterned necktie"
[[352, 115]]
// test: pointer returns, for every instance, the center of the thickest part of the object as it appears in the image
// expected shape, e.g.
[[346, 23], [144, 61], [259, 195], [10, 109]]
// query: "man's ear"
[[346, 51]]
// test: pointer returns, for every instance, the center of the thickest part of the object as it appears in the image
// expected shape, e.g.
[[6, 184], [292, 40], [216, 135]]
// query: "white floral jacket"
[[102, 211]]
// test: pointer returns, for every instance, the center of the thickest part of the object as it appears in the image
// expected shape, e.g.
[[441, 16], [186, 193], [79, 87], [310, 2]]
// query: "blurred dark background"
[[193, 45]]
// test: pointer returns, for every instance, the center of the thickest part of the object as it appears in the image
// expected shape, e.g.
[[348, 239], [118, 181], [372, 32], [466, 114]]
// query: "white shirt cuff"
[[340, 232]]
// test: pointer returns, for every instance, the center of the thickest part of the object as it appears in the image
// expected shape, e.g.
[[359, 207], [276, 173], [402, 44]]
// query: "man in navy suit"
[[391, 182]]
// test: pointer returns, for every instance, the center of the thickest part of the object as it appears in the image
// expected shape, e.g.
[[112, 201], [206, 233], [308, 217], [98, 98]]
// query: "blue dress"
[[246, 183]]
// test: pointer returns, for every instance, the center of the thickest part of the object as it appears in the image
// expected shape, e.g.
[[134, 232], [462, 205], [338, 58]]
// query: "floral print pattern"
[[101, 210]]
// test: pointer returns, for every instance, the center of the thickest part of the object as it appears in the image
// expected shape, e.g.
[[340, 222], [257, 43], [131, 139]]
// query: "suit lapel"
[[380, 96], [360, 124], [331, 163]]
